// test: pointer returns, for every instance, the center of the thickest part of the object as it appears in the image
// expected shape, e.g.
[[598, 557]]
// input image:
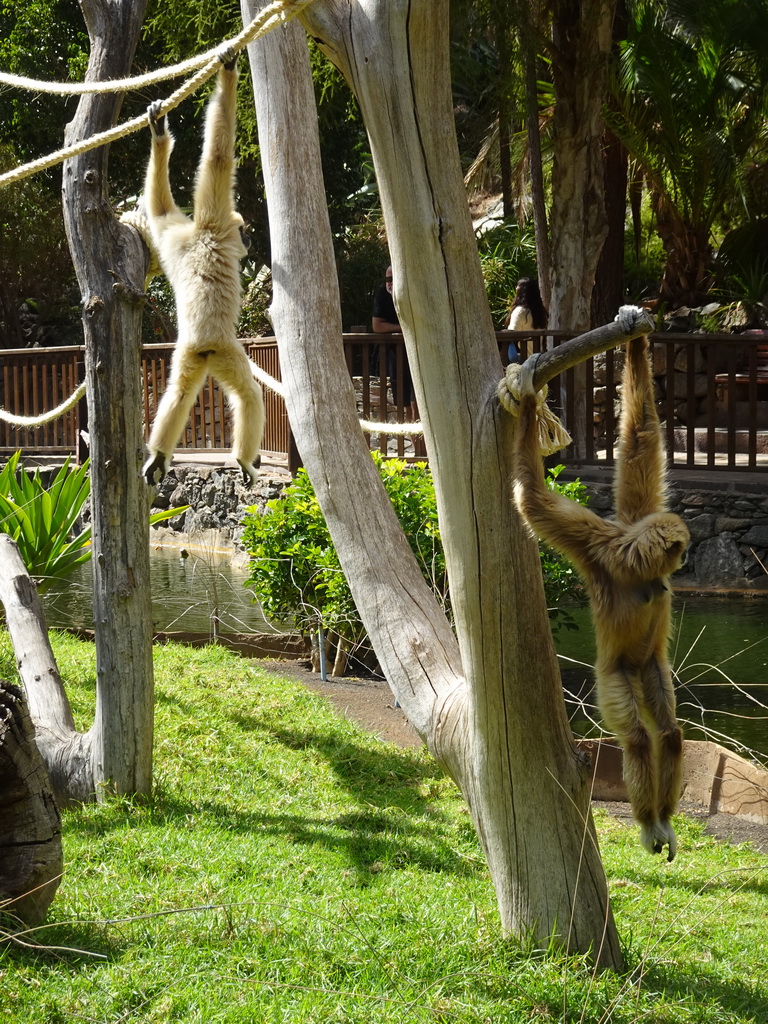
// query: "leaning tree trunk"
[[581, 38], [110, 261], [30, 827], [488, 700]]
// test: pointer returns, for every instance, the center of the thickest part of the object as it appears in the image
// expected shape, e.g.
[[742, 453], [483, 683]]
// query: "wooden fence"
[[712, 392]]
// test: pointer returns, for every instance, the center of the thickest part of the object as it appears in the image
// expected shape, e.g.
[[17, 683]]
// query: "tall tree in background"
[[608, 292], [580, 49], [692, 101]]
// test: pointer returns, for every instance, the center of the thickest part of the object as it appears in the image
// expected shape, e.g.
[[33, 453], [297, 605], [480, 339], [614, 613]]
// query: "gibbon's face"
[[658, 546], [243, 237]]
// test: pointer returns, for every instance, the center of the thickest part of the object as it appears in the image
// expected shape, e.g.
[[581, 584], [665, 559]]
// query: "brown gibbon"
[[625, 562], [201, 256]]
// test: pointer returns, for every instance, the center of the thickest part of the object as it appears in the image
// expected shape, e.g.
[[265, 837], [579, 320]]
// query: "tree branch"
[[631, 323]]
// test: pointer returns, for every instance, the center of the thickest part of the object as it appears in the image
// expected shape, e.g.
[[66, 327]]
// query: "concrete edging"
[[713, 778]]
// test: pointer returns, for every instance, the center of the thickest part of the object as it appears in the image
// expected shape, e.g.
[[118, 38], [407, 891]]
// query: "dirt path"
[[370, 703]]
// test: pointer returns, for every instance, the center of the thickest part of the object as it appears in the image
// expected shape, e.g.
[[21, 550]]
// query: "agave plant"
[[42, 519]]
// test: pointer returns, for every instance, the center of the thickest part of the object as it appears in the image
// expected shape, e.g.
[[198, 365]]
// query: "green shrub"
[[41, 519], [296, 575]]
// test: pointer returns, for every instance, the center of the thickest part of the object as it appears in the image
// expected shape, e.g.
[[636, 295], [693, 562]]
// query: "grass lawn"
[[292, 868]]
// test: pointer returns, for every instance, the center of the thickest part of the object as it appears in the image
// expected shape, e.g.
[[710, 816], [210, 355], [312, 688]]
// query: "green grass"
[[292, 868]]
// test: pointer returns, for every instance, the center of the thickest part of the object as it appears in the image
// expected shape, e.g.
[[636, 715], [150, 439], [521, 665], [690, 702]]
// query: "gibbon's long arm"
[[574, 530], [157, 183], [640, 480], [214, 186]]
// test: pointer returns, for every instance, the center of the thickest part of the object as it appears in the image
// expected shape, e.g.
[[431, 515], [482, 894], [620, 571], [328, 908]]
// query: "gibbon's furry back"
[[201, 259], [626, 563]]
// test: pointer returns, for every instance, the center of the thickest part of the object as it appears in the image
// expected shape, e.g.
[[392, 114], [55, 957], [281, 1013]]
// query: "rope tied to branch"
[[518, 381]]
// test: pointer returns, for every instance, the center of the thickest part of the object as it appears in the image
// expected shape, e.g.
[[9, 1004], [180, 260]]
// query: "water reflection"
[[188, 595], [719, 647], [720, 653]]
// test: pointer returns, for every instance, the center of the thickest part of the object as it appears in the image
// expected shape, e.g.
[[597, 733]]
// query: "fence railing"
[[712, 394]]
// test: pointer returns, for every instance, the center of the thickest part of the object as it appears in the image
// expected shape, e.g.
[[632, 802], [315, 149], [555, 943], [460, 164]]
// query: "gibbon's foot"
[[656, 836], [250, 474], [155, 468], [228, 57], [156, 123]]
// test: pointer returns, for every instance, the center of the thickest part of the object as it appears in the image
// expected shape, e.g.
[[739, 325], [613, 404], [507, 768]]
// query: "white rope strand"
[[369, 426], [268, 18], [46, 417], [395, 429]]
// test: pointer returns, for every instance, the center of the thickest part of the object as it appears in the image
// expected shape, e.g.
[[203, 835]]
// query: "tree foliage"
[[296, 575], [691, 92]]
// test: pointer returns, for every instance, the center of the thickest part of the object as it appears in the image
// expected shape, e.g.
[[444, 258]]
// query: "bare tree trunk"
[[110, 260], [65, 751], [581, 36], [488, 700]]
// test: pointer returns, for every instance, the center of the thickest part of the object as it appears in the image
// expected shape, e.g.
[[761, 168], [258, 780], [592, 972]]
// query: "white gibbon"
[[625, 562], [201, 256]]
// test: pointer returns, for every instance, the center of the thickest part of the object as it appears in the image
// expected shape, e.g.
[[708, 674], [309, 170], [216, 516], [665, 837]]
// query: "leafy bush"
[[295, 571], [296, 575], [41, 519], [560, 578]]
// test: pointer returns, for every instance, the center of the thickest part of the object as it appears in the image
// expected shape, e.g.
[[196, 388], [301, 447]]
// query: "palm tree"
[[691, 93]]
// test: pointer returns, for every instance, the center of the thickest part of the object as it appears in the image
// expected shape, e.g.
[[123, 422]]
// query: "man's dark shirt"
[[384, 306]]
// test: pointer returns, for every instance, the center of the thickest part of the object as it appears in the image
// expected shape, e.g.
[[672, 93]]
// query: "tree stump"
[[30, 827]]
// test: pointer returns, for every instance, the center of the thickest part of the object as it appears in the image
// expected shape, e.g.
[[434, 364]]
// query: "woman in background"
[[527, 312]]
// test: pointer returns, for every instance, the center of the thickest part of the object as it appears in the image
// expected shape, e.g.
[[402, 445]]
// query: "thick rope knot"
[[518, 381], [138, 219]]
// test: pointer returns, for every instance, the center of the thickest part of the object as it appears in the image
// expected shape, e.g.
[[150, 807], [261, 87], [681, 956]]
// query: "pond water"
[[719, 650], [187, 593], [719, 646]]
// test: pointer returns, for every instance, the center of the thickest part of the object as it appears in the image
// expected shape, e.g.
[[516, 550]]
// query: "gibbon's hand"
[[156, 123], [228, 58], [155, 468]]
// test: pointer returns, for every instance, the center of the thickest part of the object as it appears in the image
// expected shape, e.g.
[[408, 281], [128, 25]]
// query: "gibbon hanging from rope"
[[201, 259], [626, 562]]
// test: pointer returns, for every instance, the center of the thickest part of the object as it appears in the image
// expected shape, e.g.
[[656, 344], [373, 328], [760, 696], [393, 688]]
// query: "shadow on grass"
[[397, 825], [382, 774], [697, 989], [727, 883], [81, 946]]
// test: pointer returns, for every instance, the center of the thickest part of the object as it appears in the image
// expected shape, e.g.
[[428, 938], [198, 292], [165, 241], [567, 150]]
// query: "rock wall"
[[217, 500], [729, 527]]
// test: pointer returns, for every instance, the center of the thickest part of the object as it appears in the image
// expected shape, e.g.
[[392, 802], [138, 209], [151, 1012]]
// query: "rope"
[[518, 381], [367, 425], [46, 417], [268, 18]]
